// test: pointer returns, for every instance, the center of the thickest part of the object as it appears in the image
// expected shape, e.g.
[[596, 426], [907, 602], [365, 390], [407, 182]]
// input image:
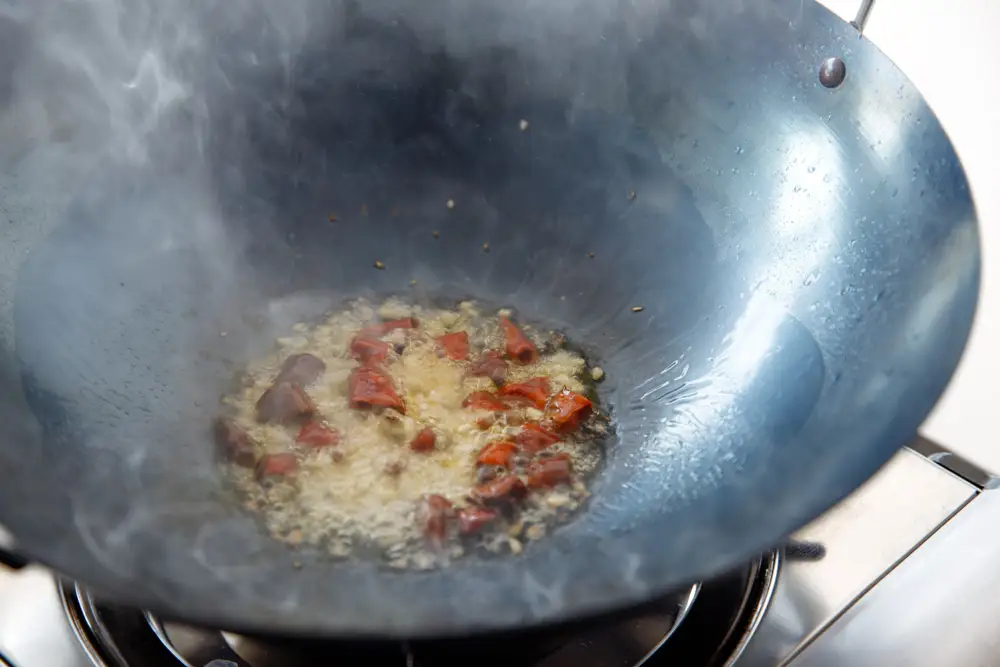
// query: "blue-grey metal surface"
[[807, 260]]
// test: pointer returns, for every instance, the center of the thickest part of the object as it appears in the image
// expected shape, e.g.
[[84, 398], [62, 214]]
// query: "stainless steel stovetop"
[[892, 557]]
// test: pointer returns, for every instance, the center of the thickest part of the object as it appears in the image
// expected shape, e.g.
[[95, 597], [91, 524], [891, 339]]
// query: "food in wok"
[[420, 433]]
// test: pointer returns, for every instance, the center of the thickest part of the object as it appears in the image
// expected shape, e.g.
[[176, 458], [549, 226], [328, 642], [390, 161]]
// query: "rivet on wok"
[[832, 72]]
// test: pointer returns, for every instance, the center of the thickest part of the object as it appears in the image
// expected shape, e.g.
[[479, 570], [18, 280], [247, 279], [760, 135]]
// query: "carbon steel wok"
[[806, 258]]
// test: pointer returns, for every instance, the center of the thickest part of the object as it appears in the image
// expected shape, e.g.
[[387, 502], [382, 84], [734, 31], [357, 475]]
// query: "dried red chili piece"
[[567, 409], [473, 519], [500, 490], [497, 454], [534, 437], [368, 349], [382, 328], [276, 465], [433, 513], [284, 402], [516, 344], [369, 387], [549, 472], [484, 400], [455, 345], [424, 441], [535, 392], [301, 369], [234, 443], [491, 365], [315, 434]]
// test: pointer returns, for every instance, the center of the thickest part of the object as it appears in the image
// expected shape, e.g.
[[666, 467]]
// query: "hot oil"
[[361, 495]]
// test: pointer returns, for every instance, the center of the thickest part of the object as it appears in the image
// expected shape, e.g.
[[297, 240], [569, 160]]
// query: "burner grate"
[[708, 626]]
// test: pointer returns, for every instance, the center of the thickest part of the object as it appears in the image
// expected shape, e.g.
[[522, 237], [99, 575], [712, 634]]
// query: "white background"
[[950, 49]]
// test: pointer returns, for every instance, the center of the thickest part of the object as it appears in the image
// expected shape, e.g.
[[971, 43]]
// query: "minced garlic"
[[364, 490]]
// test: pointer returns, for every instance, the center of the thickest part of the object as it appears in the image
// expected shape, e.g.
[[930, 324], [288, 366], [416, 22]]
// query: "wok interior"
[[788, 290]]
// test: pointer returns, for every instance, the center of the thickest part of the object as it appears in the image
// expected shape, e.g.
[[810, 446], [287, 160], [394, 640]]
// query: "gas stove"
[[796, 605], [907, 572]]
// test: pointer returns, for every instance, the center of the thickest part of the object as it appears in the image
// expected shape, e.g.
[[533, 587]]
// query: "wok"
[[806, 259]]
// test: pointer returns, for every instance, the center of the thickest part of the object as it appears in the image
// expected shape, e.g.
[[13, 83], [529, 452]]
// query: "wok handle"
[[861, 18]]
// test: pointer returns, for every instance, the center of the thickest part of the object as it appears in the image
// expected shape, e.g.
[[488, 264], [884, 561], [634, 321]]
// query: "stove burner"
[[626, 641], [719, 627], [707, 626]]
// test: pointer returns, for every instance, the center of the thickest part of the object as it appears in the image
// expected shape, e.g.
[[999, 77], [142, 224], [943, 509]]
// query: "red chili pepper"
[[567, 409], [368, 387], [501, 489], [284, 402], [517, 345], [534, 437], [472, 519], [550, 472], [301, 369], [315, 434], [534, 391], [455, 345], [497, 454], [424, 441], [276, 465], [365, 348], [491, 365], [433, 513], [484, 400]]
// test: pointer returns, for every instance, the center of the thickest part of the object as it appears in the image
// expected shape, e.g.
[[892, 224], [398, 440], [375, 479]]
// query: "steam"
[[86, 81], [96, 75], [89, 82], [91, 78]]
